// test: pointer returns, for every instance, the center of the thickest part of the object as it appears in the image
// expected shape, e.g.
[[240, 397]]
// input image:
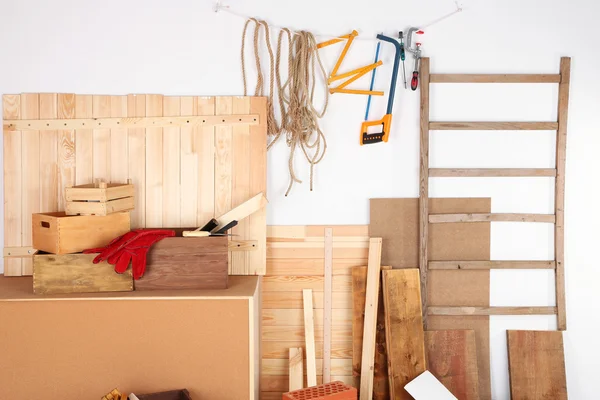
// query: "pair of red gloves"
[[132, 248]]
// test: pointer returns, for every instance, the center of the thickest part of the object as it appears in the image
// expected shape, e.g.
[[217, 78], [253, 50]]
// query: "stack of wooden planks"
[[296, 261]]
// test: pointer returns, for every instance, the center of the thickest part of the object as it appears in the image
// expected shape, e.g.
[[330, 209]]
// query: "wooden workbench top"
[[21, 289]]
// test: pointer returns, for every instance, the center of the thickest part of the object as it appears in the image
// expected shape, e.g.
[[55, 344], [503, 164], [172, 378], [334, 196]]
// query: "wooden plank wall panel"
[[136, 149], [282, 313], [154, 165], [48, 155], [240, 183], [83, 142], [119, 143], [11, 109], [205, 148], [171, 165], [189, 166], [536, 365], [30, 162], [182, 175], [101, 141], [66, 148]]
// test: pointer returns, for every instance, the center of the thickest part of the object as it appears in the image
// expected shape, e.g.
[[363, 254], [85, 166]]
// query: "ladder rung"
[[492, 126], [484, 265], [491, 217], [491, 310], [491, 172], [494, 78]]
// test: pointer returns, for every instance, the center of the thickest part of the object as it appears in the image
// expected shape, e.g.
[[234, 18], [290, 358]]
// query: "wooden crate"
[[186, 263], [58, 233], [99, 199], [76, 273]]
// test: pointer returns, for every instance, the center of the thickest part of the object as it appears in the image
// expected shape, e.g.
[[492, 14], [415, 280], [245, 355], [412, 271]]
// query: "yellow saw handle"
[[368, 138]]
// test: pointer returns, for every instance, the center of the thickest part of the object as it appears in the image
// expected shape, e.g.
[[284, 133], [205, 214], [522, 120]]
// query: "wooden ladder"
[[562, 79]]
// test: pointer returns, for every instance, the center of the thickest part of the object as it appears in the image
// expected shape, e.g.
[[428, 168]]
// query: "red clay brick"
[[330, 391]]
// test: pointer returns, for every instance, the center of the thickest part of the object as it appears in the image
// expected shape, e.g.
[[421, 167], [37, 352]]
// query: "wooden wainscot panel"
[[186, 263], [76, 273], [58, 233]]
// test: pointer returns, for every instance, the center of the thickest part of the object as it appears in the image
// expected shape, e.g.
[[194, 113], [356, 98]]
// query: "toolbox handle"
[[45, 224]]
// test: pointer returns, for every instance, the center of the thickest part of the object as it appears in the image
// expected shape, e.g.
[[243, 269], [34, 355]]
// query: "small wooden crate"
[[186, 263], [101, 199], [58, 233], [76, 273]]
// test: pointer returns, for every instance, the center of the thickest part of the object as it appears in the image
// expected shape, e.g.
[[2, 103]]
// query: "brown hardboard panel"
[[397, 222]]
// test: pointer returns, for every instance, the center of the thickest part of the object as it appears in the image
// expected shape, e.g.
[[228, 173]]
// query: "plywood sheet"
[[175, 170], [404, 329], [536, 365], [397, 222], [452, 358]]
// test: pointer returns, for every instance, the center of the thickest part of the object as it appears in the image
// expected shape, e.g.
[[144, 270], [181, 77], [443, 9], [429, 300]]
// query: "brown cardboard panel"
[[82, 349], [397, 222]]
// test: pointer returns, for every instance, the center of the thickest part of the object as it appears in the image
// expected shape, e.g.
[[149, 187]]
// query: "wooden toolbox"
[[76, 273], [99, 199], [58, 233], [186, 263]]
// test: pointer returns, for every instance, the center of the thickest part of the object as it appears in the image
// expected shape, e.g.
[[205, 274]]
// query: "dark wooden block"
[[170, 395], [186, 263]]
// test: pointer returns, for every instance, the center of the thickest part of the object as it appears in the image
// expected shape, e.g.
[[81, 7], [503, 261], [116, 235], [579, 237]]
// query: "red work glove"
[[131, 247]]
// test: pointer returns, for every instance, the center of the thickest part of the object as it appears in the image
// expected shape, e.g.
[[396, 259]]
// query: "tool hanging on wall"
[[352, 75], [386, 121], [402, 56], [416, 50]]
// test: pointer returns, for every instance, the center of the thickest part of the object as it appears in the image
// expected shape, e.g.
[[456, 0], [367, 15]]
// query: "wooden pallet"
[[562, 79], [189, 158]]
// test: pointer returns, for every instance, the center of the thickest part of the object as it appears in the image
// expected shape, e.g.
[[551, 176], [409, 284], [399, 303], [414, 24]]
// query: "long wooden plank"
[[101, 138], [296, 367], [13, 206], [475, 311], [205, 150], [171, 165], [136, 147], [48, 155], [559, 194], [189, 166], [340, 333], [84, 142], [370, 320], [495, 78], [66, 148], [404, 328], [341, 283], [424, 185], [109, 122], [30, 162], [309, 337], [315, 266], [279, 349], [340, 251], [295, 317], [483, 265], [154, 165], [536, 365], [223, 163], [490, 217], [327, 316], [281, 367], [492, 126], [380, 375], [258, 183], [292, 300], [119, 165], [240, 180], [452, 358], [491, 172]]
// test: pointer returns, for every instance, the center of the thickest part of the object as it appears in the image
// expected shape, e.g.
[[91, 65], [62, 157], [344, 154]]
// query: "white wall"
[[182, 47]]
